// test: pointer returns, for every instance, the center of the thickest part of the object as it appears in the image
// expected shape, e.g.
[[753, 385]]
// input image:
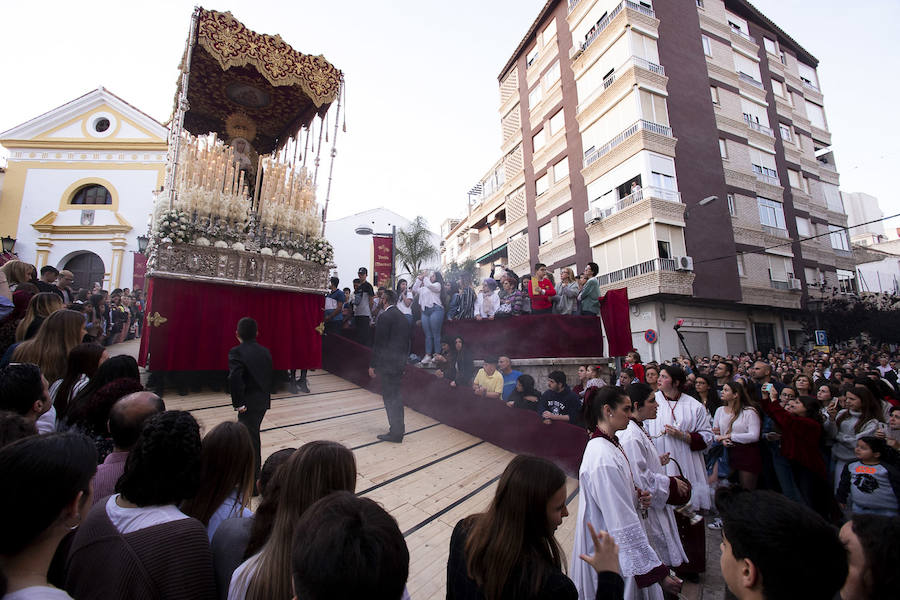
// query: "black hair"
[[14, 426], [527, 382], [594, 401], [558, 377], [878, 537], [49, 269], [537, 266], [594, 268], [893, 408], [125, 425], [270, 466], [390, 297], [491, 359], [638, 393], [20, 387], [880, 445], [112, 369], [164, 465], [247, 329], [47, 472], [335, 281], [348, 547], [677, 374], [362, 271], [797, 553]]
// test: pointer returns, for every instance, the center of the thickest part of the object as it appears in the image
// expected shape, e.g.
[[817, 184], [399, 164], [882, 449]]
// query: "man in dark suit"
[[389, 357], [250, 379]]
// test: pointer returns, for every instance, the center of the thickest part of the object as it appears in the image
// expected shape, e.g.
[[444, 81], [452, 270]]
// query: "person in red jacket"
[[801, 435], [633, 360], [540, 298]]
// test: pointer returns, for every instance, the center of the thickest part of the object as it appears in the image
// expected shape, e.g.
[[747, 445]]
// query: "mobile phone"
[[767, 387]]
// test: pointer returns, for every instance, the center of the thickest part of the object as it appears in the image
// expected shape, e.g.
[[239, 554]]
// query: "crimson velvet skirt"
[[745, 457]]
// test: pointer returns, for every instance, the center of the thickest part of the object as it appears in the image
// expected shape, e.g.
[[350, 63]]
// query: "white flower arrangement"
[[221, 244], [266, 251], [237, 246], [174, 226]]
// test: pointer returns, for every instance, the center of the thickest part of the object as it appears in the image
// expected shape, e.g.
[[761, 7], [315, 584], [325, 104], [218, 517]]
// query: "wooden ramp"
[[437, 476]]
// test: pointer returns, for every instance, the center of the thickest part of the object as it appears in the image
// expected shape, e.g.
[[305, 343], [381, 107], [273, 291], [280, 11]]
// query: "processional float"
[[237, 230]]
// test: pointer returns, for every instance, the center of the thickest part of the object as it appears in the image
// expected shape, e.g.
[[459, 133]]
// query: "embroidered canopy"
[[255, 86]]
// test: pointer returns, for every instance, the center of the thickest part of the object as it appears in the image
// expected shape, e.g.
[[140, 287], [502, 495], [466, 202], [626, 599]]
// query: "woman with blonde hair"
[[566, 299], [49, 349], [18, 272], [314, 471], [41, 306]]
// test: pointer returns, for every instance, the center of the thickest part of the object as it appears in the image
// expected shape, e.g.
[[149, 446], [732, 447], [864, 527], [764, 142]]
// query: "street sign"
[[650, 336], [821, 337]]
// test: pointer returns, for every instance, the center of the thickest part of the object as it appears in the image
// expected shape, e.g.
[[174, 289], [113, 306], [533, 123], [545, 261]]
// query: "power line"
[[806, 239]]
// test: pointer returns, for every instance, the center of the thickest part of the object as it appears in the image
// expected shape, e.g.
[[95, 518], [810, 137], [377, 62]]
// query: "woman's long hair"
[[511, 548], [117, 367], [84, 359], [226, 466], [44, 473], [50, 348], [743, 402], [870, 409], [311, 473], [18, 272], [41, 306], [269, 486]]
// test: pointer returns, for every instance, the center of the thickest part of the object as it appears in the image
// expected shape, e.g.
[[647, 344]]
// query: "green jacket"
[[590, 296]]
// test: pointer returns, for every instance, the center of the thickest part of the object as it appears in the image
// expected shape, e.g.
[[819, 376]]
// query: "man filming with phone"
[[761, 372]]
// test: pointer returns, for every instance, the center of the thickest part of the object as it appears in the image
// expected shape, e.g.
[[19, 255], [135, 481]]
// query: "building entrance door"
[[765, 337], [87, 268]]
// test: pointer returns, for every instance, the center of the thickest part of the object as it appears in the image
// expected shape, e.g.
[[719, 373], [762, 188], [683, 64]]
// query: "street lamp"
[[368, 231], [8, 243], [142, 241], [704, 202]]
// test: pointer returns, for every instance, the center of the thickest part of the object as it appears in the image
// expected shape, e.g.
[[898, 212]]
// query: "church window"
[[92, 194]]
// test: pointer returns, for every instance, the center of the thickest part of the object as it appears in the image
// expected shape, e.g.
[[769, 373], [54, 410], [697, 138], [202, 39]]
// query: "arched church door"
[[88, 269]]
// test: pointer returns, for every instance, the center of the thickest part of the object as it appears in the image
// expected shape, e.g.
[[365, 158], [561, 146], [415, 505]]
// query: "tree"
[[454, 270], [847, 317], [413, 247]]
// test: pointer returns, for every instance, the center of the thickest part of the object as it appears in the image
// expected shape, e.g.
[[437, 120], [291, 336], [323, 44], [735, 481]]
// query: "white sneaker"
[[716, 524], [427, 359]]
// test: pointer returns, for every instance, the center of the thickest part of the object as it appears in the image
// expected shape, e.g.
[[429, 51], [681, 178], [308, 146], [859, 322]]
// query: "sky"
[[422, 91]]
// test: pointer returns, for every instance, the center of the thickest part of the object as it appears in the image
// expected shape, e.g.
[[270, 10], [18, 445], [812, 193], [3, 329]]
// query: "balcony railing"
[[766, 175], [779, 285], [593, 154], [629, 200], [614, 76], [809, 84], [776, 231], [603, 23], [741, 34], [750, 79], [649, 266], [758, 127], [573, 4]]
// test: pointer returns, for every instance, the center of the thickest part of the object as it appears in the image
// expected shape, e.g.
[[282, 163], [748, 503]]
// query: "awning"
[[498, 251]]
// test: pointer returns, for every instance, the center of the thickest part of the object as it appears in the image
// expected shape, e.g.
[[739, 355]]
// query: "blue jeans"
[[785, 474], [432, 319]]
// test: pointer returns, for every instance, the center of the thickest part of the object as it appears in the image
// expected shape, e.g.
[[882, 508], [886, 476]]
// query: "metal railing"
[[810, 85], [603, 23], [758, 127], [741, 34], [775, 231], [780, 285], [648, 266], [593, 154], [573, 4], [766, 175], [632, 199], [750, 79], [612, 77]]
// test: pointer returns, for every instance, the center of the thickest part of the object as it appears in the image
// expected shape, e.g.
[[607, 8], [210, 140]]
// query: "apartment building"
[[682, 146]]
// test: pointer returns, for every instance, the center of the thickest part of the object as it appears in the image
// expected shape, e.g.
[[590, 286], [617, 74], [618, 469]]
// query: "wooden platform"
[[435, 477]]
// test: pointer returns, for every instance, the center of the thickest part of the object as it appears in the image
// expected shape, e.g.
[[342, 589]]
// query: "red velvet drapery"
[[201, 318]]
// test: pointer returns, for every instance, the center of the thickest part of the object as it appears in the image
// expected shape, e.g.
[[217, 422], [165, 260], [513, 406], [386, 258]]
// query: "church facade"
[[78, 188]]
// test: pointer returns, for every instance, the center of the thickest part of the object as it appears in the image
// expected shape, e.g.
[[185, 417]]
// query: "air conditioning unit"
[[795, 284], [593, 215], [684, 263]]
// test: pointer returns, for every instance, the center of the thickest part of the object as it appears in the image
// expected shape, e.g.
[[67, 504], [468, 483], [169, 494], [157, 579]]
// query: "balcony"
[[597, 29], [766, 175], [744, 36], [780, 285], [750, 79], [778, 232], [596, 213], [593, 154], [633, 71], [651, 277], [758, 127]]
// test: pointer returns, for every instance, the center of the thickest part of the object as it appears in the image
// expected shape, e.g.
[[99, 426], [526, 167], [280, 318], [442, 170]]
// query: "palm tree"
[[413, 247]]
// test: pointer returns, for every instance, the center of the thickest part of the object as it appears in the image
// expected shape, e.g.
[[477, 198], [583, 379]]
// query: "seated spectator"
[[348, 547], [117, 367], [540, 290], [138, 540], [311, 473], [24, 391], [81, 364], [442, 359], [775, 548], [461, 369], [510, 375], [488, 302], [873, 556], [524, 395], [41, 306], [511, 300], [233, 542], [126, 419], [14, 426], [96, 420], [51, 476], [226, 477], [559, 403], [488, 382]]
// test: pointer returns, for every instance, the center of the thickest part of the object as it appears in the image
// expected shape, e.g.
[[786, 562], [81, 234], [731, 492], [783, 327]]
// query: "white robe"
[[690, 416], [608, 502], [650, 475]]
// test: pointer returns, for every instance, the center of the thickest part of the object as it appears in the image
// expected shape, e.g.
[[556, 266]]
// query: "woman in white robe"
[[610, 501], [681, 429], [650, 475]]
